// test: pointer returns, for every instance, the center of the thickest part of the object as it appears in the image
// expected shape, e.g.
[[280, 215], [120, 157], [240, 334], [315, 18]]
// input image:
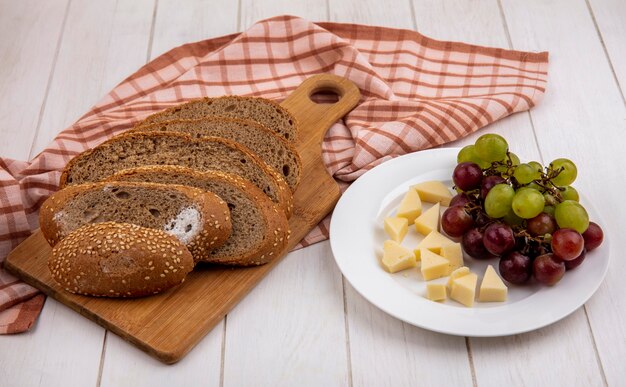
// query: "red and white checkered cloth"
[[417, 93]]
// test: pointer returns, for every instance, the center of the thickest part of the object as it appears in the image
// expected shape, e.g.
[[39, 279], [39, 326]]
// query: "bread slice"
[[261, 110], [139, 149], [199, 219], [260, 231], [274, 150], [119, 260]]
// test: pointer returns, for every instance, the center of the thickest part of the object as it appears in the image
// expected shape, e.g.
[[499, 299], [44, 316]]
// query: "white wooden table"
[[304, 325]]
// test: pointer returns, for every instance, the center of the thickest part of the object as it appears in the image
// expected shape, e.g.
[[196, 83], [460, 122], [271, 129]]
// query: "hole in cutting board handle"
[[325, 95]]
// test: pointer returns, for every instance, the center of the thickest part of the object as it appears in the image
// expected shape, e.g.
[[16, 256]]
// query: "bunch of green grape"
[[526, 214]]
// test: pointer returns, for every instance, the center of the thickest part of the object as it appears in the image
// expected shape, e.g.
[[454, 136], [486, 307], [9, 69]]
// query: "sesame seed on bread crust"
[[119, 260]]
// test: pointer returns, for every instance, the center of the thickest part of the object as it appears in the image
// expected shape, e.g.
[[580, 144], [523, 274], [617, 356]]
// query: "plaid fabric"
[[417, 93]]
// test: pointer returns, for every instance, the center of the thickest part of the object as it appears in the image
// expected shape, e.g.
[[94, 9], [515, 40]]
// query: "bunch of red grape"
[[527, 215]]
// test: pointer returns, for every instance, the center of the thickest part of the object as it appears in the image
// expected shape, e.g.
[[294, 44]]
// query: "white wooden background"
[[304, 325]]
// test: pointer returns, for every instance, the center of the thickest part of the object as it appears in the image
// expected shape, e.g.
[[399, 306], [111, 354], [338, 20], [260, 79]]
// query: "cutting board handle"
[[314, 118]]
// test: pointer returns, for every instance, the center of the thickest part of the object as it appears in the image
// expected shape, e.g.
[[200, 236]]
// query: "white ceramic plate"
[[357, 236]]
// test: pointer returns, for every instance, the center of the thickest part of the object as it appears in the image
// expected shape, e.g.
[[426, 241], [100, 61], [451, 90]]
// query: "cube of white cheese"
[[433, 192], [460, 272], [396, 257], [410, 207], [396, 228], [464, 289], [433, 242], [454, 254], [428, 221], [492, 289], [433, 265], [436, 292]]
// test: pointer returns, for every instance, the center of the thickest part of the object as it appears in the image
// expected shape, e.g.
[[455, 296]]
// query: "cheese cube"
[[454, 254], [396, 228], [428, 221], [433, 265], [397, 257], [460, 272], [464, 289], [433, 242], [410, 207], [436, 292], [492, 288], [433, 192]]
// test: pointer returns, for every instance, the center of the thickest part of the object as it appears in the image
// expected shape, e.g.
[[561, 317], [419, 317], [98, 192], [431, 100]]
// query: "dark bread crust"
[[119, 260], [276, 227], [215, 220], [273, 149], [287, 128], [281, 191]]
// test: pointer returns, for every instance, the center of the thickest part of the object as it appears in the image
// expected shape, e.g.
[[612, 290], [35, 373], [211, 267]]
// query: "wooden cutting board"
[[167, 326]]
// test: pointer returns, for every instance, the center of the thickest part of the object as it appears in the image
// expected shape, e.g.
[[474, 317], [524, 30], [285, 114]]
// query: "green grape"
[[512, 220], [468, 153], [524, 174], [498, 200], [567, 175], [549, 210], [528, 203], [550, 199], [534, 185], [504, 168], [491, 147], [514, 159], [570, 214], [536, 166], [570, 193]]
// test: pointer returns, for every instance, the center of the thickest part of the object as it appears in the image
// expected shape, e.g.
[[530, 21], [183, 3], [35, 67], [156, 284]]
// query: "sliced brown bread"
[[119, 260], [199, 219], [260, 231], [274, 150], [261, 110], [139, 149]]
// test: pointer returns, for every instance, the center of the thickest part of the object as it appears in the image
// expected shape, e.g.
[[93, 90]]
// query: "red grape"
[[455, 221], [548, 269], [488, 183], [472, 243], [467, 176], [541, 224], [593, 236], [498, 238], [574, 263], [515, 268], [459, 200], [567, 244], [481, 219]]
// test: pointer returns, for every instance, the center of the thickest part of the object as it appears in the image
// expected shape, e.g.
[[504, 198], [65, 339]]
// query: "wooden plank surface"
[[84, 73], [585, 119], [60, 342], [609, 16], [125, 365], [169, 324], [197, 20], [301, 346], [30, 32]]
